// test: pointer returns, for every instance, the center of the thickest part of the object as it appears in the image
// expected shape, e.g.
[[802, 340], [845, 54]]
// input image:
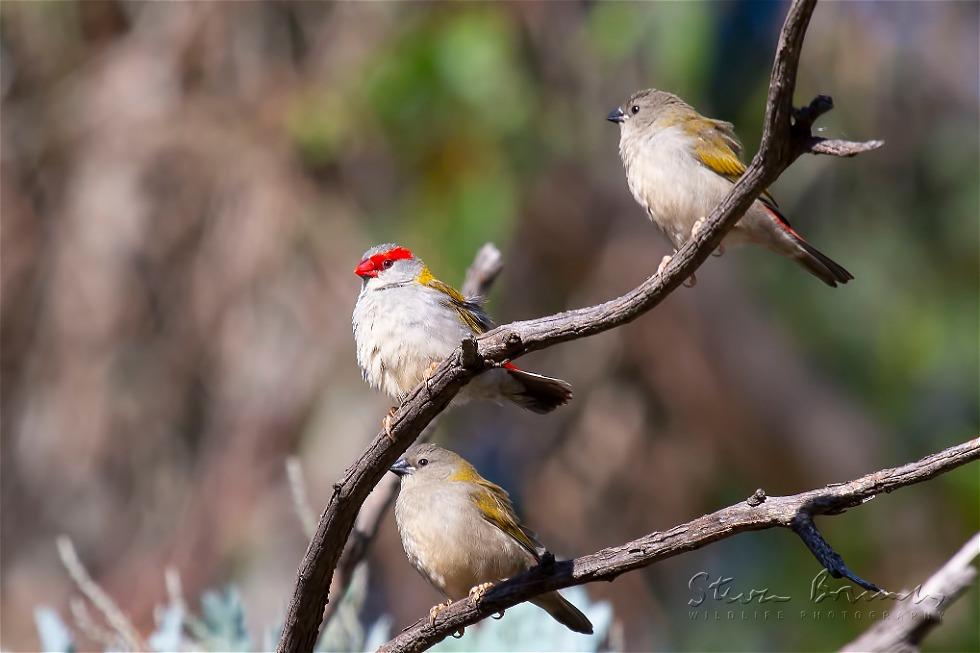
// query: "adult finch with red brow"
[[406, 322], [679, 167]]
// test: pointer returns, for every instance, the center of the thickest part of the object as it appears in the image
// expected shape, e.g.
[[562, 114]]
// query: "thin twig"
[[297, 490], [107, 639], [115, 617], [782, 143], [804, 527], [483, 271], [923, 606], [609, 563]]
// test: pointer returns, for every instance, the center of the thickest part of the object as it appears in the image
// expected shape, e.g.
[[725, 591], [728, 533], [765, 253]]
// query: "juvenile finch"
[[406, 322], [460, 531], [680, 165]]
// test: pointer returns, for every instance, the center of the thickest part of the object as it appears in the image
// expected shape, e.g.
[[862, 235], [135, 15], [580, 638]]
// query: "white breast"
[[668, 181], [399, 332]]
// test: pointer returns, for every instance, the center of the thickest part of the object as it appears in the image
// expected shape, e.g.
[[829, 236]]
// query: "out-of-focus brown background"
[[187, 187]]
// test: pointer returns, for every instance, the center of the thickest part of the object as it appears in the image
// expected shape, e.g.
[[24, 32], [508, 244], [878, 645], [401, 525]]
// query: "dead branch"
[[923, 607], [756, 513], [120, 624], [786, 135], [483, 271]]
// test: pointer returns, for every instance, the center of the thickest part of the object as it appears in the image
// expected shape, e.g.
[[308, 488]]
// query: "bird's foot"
[[499, 615], [436, 609], [428, 375], [477, 592], [689, 283], [386, 422], [697, 226]]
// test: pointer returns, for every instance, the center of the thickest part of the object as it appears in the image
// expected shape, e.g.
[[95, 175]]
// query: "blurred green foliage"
[[449, 125]]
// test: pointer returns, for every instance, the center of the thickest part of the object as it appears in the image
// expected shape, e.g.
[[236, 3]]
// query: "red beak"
[[366, 269]]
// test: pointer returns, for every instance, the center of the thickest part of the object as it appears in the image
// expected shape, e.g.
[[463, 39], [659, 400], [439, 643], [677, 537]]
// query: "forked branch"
[[782, 142]]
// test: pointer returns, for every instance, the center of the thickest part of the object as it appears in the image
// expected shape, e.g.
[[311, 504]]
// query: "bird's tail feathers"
[[816, 262], [821, 265], [535, 392], [564, 612]]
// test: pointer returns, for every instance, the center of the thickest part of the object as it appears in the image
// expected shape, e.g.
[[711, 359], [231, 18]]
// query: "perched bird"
[[680, 165], [406, 322], [460, 531]]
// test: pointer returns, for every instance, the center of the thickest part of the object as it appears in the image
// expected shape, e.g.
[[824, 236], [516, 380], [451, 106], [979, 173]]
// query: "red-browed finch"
[[406, 321]]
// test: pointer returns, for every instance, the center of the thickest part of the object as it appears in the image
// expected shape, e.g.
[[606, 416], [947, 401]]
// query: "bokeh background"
[[187, 187]]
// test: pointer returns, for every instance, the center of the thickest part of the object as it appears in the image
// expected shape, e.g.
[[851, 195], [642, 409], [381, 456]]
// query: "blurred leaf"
[[526, 627], [222, 623], [169, 635], [52, 631]]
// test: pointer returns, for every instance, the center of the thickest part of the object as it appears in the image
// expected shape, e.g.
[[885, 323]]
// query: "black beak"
[[401, 467], [616, 115]]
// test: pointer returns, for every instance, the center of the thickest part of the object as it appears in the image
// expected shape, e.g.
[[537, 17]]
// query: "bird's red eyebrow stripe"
[[393, 254]]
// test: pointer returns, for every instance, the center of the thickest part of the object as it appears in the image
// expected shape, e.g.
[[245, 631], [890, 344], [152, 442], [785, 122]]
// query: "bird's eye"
[[387, 264], [635, 109], [423, 462]]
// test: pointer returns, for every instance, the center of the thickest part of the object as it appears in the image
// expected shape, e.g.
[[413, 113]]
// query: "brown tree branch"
[[365, 528], [782, 142], [923, 607], [483, 271], [753, 514]]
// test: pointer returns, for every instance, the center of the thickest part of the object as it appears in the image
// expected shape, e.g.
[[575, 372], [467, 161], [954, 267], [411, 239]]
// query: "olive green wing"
[[470, 311], [496, 508], [719, 150]]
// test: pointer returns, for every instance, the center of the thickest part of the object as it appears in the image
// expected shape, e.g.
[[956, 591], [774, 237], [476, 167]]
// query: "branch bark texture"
[[786, 135], [756, 513]]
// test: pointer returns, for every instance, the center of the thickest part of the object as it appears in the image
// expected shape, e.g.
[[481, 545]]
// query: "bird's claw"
[[428, 375], [436, 609], [386, 422], [477, 592], [499, 615], [688, 283], [697, 226]]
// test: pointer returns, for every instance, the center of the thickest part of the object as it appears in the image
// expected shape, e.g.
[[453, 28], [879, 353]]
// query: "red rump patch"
[[781, 221], [371, 266]]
